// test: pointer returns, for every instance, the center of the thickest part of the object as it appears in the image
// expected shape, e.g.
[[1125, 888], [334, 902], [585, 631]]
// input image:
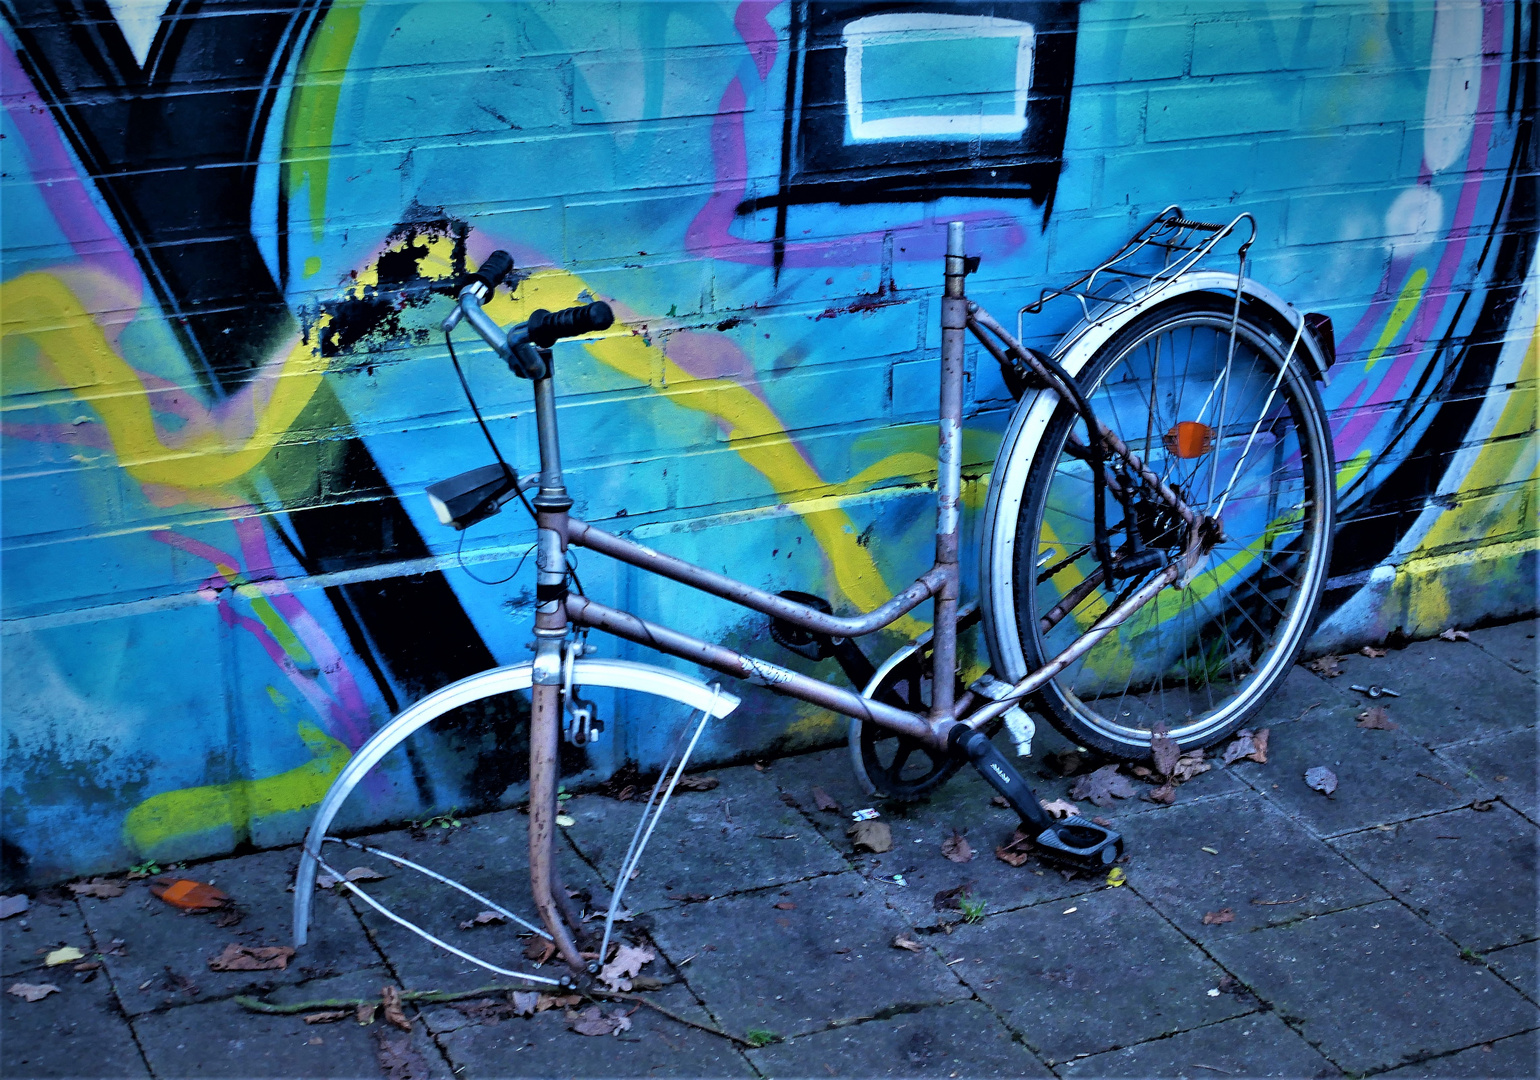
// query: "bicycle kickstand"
[[1074, 842]]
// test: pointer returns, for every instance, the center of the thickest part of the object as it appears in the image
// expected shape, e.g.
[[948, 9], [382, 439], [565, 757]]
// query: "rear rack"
[[1154, 257]]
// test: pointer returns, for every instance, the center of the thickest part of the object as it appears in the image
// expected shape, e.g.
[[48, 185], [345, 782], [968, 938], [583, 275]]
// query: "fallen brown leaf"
[[1015, 851], [32, 991], [328, 1016], [786, 905], [13, 905], [1189, 765], [956, 848], [1165, 795], [1372, 653], [99, 887], [1163, 749], [1482, 805], [1105, 823], [1219, 918], [823, 801], [908, 944], [949, 899], [248, 958], [538, 950], [1000, 801], [874, 836], [358, 873], [1066, 764], [399, 1059], [1321, 779], [1248, 746], [390, 1007], [1452, 634], [483, 918], [593, 1021], [188, 895], [1059, 808], [1376, 718], [628, 961], [1102, 786], [524, 1002], [557, 1001], [364, 1014], [1328, 667], [696, 783]]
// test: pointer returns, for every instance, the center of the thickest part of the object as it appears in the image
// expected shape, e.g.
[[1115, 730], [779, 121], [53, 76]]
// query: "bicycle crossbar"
[[582, 610], [639, 555]]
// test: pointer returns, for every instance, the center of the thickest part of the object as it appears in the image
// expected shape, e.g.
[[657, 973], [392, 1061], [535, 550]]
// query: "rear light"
[[1189, 439]]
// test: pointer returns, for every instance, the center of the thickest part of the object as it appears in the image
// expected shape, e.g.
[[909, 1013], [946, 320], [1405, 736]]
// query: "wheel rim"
[[1199, 658]]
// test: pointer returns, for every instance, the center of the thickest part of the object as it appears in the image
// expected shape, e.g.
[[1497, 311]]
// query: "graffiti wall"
[[230, 231]]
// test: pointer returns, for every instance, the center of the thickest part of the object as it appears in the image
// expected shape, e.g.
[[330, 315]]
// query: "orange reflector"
[[1189, 439]]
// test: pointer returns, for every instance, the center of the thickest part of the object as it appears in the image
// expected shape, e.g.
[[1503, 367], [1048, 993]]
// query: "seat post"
[[954, 321]]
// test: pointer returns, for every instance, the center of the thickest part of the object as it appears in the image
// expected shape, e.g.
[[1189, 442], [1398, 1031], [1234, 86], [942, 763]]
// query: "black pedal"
[[1074, 842], [815, 646]]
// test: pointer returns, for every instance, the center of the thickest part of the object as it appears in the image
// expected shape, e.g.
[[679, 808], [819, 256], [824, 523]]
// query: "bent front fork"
[[544, 745]]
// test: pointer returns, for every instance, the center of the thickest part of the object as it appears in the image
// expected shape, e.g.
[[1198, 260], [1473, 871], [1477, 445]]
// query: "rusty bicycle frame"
[[955, 722]]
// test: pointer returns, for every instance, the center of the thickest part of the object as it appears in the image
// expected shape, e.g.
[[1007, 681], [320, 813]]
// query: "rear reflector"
[[1189, 439]]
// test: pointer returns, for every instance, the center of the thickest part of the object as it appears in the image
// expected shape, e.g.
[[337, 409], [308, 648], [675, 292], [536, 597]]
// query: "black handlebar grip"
[[494, 270], [546, 328]]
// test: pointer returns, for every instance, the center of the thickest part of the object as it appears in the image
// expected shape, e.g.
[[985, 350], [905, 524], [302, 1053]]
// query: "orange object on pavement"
[[189, 895], [1189, 439]]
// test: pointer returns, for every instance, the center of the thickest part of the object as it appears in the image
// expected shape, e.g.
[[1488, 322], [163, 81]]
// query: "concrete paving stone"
[[50, 921], [1513, 643], [1109, 973], [1255, 1045], [79, 1031], [219, 1038], [543, 1045], [1268, 869], [738, 836], [1505, 766], [1303, 693], [828, 955], [1377, 773], [1516, 1056], [489, 854], [1374, 986], [963, 1038], [1470, 874], [1450, 691], [166, 950], [1519, 965]]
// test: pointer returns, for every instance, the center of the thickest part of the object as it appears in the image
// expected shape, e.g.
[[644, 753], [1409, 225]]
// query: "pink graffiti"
[[755, 30]]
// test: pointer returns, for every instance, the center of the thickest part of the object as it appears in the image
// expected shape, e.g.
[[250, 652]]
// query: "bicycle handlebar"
[[546, 328], [494, 271]]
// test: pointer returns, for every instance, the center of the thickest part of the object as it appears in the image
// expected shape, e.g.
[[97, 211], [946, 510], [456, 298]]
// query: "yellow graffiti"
[[174, 814], [753, 431], [307, 135], [1405, 304], [206, 453]]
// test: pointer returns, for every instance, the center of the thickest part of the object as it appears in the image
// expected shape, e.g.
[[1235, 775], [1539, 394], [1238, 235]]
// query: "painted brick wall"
[[228, 236]]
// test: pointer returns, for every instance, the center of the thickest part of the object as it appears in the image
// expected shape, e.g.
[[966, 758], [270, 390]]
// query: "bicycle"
[[1156, 536]]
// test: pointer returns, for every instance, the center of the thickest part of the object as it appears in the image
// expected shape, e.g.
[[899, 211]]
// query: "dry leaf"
[[1328, 667], [1165, 795], [786, 905], [524, 1002], [1163, 749], [1059, 808], [593, 1021], [1016, 851], [390, 1006], [1372, 653], [1482, 805], [696, 783], [1102, 786], [399, 1059], [1452, 634], [67, 955], [628, 961], [483, 918], [822, 800], [329, 1016], [188, 895], [1189, 765], [358, 873], [1249, 746], [99, 887], [1321, 779], [1376, 718], [1065, 764], [1116, 878], [13, 905], [539, 950], [557, 1001], [874, 836], [246, 958], [908, 944], [1220, 917], [32, 991], [956, 848], [949, 899], [1000, 801], [364, 1014]]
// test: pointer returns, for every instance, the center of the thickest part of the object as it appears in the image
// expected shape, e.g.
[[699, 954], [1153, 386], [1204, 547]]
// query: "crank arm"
[[1073, 842]]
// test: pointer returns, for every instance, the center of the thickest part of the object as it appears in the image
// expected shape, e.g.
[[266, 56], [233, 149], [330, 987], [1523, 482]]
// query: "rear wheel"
[[1234, 438]]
